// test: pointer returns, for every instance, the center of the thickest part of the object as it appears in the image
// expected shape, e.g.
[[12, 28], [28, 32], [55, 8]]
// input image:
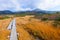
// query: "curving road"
[[12, 27]]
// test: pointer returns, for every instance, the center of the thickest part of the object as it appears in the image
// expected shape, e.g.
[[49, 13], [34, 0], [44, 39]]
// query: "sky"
[[22, 5]]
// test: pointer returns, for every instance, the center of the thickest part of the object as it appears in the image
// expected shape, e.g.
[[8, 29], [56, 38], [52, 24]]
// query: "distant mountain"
[[6, 12], [35, 11], [42, 11]]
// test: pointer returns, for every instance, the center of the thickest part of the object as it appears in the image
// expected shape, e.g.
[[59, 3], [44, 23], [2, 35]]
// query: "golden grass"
[[23, 35], [43, 30], [4, 33]]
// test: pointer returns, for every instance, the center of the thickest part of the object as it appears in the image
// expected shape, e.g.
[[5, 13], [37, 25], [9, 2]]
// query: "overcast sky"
[[17, 5]]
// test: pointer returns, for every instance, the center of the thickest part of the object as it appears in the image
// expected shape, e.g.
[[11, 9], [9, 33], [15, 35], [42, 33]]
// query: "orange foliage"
[[4, 33], [43, 29], [46, 31], [1, 17], [23, 34]]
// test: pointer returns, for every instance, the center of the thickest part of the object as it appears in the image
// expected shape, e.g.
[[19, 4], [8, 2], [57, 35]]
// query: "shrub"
[[4, 17], [56, 23], [44, 19], [57, 19]]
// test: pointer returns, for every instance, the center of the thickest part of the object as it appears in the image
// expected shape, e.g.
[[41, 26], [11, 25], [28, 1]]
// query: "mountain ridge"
[[28, 11]]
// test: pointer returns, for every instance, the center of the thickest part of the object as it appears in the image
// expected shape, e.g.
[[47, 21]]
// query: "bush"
[[44, 19], [20, 15], [56, 23], [4, 17], [57, 19]]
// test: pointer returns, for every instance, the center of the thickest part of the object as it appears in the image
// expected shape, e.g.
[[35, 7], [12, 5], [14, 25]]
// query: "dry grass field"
[[29, 28], [4, 33], [33, 29]]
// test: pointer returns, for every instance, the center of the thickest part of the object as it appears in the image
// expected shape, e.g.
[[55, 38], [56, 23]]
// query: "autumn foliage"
[[30, 29], [37, 30], [4, 33]]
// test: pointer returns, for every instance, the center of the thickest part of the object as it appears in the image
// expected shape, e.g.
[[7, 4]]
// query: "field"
[[31, 28], [4, 33], [35, 29]]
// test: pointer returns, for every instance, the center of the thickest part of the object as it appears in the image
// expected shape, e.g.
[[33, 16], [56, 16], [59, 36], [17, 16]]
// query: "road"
[[12, 27]]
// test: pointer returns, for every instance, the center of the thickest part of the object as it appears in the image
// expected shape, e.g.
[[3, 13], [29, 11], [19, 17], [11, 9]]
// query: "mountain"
[[6, 12], [42, 11], [35, 11]]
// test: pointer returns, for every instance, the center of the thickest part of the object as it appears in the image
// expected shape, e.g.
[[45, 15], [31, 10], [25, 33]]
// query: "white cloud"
[[17, 5], [46, 4], [5, 4], [25, 9], [9, 5]]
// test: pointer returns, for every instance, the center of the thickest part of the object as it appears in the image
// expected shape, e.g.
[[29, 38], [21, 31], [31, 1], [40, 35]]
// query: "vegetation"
[[38, 30], [4, 33], [57, 19], [56, 24], [4, 17], [20, 15], [33, 28], [44, 19]]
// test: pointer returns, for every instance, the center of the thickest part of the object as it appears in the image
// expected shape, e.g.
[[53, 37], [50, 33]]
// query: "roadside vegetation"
[[4, 33], [37, 29], [55, 17], [33, 26], [4, 17]]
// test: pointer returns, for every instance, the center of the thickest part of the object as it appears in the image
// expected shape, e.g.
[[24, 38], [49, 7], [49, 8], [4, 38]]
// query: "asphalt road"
[[12, 27]]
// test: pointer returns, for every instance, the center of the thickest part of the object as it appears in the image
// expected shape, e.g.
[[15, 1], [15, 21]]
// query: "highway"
[[12, 27]]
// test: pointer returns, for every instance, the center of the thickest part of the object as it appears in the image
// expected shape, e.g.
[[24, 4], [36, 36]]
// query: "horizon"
[[24, 5]]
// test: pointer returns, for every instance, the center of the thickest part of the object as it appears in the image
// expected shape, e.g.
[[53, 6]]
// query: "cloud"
[[16, 5], [56, 8], [5, 4], [47, 4]]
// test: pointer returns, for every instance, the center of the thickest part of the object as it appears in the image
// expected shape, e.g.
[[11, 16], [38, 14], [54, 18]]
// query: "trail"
[[12, 27]]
